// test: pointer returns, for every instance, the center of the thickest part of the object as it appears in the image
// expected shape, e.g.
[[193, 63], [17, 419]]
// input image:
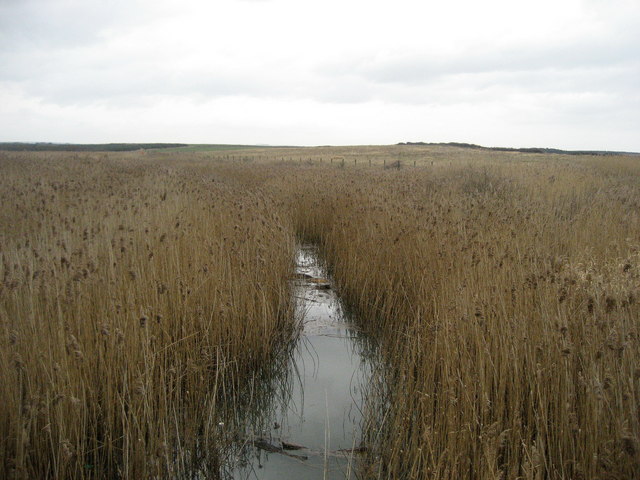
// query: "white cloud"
[[283, 71]]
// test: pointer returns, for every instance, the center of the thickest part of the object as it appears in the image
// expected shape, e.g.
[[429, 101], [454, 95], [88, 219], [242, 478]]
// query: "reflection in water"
[[311, 429]]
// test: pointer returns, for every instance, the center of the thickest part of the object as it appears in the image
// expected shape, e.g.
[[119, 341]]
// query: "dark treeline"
[[70, 147], [523, 150]]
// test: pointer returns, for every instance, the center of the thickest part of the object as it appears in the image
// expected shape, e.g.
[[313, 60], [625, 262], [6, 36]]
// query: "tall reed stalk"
[[505, 294], [136, 295], [503, 290]]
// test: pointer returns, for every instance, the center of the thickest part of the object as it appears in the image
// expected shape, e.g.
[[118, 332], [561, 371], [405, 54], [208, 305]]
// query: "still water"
[[312, 432]]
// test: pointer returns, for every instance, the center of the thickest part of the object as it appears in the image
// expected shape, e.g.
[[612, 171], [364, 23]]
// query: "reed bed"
[[505, 296], [141, 293], [137, 294]]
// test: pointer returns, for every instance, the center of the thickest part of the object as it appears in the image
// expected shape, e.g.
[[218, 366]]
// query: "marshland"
[[149, 312]]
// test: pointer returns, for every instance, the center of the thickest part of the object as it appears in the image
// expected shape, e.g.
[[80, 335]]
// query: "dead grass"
[[135, 296], [502, 289], [505, 296]]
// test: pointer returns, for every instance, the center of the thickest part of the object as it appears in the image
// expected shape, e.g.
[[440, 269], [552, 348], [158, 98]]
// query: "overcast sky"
[[557, 73]]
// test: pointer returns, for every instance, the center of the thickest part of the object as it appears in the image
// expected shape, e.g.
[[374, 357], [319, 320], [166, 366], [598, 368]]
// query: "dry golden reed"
[[135, 295], [502, 291], [505, 294]]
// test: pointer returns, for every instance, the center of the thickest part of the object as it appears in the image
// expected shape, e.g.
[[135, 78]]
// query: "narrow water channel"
[[314, 431]]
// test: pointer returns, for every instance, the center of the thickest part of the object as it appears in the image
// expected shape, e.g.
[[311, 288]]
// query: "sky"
[[515, 73]]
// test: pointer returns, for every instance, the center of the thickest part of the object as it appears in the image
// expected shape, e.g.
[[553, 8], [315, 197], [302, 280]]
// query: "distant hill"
[[73, 147], [522, 150]]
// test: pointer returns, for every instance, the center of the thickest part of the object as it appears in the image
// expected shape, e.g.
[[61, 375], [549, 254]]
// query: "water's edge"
[[311, 426]]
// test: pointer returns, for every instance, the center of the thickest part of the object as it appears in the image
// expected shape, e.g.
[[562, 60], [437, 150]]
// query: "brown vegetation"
[[135, 295], [505, 296], [503, 291]]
